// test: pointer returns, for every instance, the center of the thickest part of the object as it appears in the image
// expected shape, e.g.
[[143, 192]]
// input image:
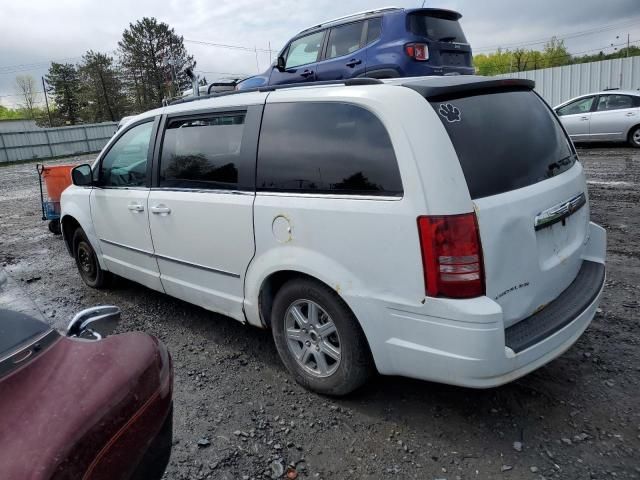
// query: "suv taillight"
[[451, 256], [417, 51]]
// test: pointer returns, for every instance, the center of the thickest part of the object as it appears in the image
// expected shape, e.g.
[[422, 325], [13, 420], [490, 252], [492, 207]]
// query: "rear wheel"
[[634, 137], [318, 338], [87, 261], [54, 227]]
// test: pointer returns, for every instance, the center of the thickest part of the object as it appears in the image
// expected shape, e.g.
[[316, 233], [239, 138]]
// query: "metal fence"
[[54, 142], [559, 84]]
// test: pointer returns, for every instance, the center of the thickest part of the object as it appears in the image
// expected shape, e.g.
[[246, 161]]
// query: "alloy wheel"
[[312, 338]]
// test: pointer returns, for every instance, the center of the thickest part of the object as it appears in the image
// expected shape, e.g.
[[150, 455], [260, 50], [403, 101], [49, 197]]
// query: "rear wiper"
[[447, 39], [560, 163]]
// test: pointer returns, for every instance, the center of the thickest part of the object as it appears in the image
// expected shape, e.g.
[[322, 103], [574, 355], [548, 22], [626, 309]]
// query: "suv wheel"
[[319, 339], [634, 137], [87, 261]]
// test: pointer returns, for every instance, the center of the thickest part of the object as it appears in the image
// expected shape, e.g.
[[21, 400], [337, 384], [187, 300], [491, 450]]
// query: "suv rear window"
[[505, 140], [436, 27]]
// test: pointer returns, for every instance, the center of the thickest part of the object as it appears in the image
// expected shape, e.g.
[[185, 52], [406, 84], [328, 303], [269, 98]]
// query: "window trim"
[[248, 149], [363, 31], [150, 153], [384, 196]]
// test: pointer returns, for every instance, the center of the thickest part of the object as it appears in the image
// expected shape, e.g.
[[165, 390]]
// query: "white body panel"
[[613, 124], [217, 249], [203, 246], [121, 224], [577, 126]]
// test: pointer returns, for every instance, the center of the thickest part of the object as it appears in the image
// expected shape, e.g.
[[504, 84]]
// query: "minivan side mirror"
[[281, 63], [81, 175], [94, 323]]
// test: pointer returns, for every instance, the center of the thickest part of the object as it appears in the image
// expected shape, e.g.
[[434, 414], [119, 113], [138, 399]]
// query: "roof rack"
[[349, 82], [352, 15]]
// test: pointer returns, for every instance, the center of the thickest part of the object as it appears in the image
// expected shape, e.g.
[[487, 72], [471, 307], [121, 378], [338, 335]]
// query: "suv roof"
[[370, 13]]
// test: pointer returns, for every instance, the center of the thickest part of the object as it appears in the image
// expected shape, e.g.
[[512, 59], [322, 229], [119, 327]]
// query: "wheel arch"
[[630, 131]]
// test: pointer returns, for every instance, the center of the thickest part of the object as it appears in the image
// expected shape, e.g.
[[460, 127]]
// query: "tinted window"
[[125, 165], [579, 106], [614, 102], [202, 152], [436, 28], [304, 50], [374, 29], [344, 40], [505, 140], [325, 148]]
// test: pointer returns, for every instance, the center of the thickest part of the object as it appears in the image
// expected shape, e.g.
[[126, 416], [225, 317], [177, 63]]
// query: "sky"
[[36, 32]]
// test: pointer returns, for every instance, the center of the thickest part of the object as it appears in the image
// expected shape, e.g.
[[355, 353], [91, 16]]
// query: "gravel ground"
[[238, 415]]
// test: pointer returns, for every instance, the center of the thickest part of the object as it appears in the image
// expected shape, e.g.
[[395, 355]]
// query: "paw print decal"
[[450, 112]]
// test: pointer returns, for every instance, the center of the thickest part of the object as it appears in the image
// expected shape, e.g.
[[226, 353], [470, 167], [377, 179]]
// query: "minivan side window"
[[344, 39], [125, 164], [333, 148], [304, 50], [374, 29], [202, 152]]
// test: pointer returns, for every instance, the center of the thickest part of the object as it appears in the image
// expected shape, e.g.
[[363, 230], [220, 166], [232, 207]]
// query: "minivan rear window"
[[436, 27], [505, 140]]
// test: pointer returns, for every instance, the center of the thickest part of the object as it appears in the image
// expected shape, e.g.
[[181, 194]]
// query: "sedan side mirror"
[[94, 323], [281, 63], [81, 175]]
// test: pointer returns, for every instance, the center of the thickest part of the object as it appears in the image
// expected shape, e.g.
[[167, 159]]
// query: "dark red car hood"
[[61, 413]]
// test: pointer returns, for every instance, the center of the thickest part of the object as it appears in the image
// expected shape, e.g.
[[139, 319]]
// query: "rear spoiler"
[[466, 85]]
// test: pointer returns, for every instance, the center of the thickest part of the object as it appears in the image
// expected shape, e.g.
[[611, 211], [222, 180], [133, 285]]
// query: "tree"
[[555, 54], [64, 86], [101, 94], [27, 90], [153, 58]]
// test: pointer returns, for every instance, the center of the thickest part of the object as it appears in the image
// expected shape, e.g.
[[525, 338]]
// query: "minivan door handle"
[[584, 118], [353, 62], [160, 209], [306, 73], [136, 207]]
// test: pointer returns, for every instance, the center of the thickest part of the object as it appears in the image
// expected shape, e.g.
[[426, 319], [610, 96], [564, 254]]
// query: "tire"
[[634, 137], [54, 227], [328, 355], [87, 261]]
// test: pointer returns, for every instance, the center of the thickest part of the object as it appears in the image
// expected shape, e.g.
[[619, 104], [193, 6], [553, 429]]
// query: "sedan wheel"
[[634, 137]]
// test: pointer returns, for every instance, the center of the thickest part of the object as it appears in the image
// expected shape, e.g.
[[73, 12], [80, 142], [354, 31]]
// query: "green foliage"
[[152, 57], [553, 54], [102, 95], [64, 86]]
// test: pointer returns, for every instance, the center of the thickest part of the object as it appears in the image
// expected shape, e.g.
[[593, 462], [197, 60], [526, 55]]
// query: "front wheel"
[[634, 137], [87, 261], [318, 338]]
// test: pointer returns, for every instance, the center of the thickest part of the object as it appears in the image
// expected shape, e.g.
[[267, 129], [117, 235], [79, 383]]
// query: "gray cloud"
[[39, 31]]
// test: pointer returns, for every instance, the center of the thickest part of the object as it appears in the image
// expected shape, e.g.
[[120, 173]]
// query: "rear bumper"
[[464, 342]]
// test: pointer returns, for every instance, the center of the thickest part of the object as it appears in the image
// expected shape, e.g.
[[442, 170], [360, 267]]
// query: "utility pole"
[[46, 101]]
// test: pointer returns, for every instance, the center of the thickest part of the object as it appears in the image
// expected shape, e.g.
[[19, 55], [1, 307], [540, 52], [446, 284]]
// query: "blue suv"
[[385, 43]]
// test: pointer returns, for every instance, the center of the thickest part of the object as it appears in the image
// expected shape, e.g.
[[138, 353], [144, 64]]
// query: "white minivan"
[[436, 228]]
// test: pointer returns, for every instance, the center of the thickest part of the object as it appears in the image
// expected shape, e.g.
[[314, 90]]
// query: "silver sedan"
[[610, 115]]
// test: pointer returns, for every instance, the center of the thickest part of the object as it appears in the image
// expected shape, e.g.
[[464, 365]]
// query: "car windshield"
[[436, 27]]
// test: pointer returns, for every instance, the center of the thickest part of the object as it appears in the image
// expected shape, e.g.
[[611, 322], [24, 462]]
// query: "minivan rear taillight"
[[451, 256], [417, 51]]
